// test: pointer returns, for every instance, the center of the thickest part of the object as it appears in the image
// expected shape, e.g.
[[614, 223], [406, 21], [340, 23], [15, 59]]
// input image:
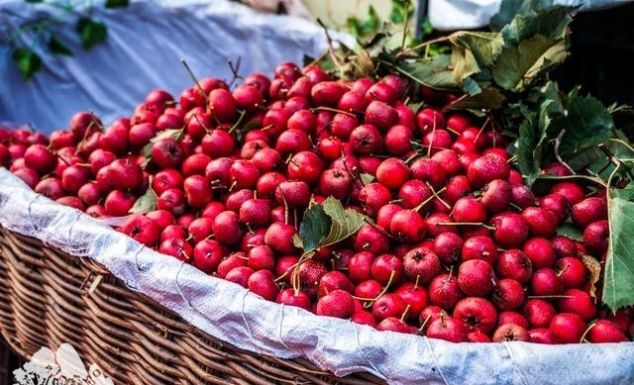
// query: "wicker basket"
[[49, 297]]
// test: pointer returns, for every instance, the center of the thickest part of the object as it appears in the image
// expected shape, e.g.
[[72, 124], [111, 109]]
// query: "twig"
[[235, 70], [191, 74], [576, 176], [557, 144], [440, 39], [331, 49], [615, 159]]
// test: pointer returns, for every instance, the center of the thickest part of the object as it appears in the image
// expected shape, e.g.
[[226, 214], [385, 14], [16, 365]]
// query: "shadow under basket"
[[49, 297]]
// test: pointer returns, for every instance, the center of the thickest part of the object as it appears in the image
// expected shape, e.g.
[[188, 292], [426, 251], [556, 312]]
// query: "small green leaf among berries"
[[171, 133], [145, 203], [327, 224], [618, 281]]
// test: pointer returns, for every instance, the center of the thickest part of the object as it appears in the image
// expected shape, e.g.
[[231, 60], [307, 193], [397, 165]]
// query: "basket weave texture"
[[48, 297]]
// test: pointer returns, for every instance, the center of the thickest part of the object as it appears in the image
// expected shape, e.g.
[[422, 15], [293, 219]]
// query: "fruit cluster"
[[455, 245]]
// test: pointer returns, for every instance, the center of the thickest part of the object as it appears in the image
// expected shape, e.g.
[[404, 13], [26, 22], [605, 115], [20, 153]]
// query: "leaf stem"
[[440, 39], [556, 150], [576, 176]]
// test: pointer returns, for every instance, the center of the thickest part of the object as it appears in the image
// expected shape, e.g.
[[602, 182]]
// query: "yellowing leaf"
[[594, 270], [473, 51]]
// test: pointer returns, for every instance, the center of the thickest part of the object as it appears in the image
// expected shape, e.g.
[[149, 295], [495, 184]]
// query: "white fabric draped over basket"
[[232, 314]]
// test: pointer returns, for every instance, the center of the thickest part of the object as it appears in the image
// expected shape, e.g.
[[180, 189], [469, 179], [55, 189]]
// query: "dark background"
[[602, 59]]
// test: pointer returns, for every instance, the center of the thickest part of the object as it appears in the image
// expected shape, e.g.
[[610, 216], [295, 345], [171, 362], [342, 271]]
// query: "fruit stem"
[[556, 151], [378, 228], [433, 135], [335, 110], [466, 224], [405, 312], [567, 177], [413, 156], [422, 326], [235, 70], [207, 129], [63, 160], [285, 273], [237, 123], [286, 218], [452, 131], [331, 50], [417, 281], [423, 203], [191, 74], [435, 193], [385, 289], [585, 333], [516, 207], [488, 119]]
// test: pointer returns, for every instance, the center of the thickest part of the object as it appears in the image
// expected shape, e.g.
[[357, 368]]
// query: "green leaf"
[[471, 87], [623, 117], [618, 281], [596, 161], [570, 230], [415, 106], [527, 152], [327, 224], [27, 61], [145, 203], [364, 28], [510, 8], [314, 227], [434, 72], [58, 47], [401, 11], [488, 99], [146, 151], [624, 194], [519, 67], [366, 178], [345, 222], [117, 3], [551, 23], [588, 124], [473, 51], [427, 27], [91, 33]]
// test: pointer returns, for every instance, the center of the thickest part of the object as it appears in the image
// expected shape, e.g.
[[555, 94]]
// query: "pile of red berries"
[[455, 246]]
